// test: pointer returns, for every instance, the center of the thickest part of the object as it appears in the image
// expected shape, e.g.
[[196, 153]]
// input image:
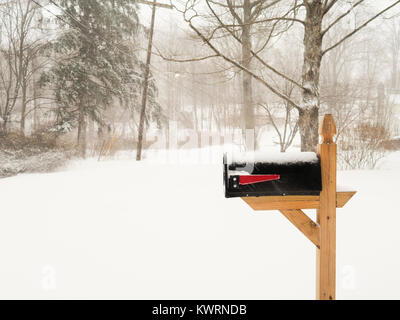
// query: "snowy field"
[[126, 230]]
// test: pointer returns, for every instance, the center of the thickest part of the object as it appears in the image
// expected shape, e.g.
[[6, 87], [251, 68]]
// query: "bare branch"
[[233, 12], [159, 54], [253, 53], [266, 20], [261, 7], [271, 118], [361, 27], [235, 6], [238, 65], [342, 16], [328, 6]]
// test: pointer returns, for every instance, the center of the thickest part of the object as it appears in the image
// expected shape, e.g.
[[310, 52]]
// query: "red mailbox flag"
[[246, 180]]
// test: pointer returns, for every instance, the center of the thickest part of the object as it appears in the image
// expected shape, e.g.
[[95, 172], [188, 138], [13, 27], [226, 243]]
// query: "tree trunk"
[[194, 100], [308, 116], [23, 106], [35, 89], [4, 125], [247, 107], [141, 134], [308, 125], [395, 57], [380, 112], [81, 133]]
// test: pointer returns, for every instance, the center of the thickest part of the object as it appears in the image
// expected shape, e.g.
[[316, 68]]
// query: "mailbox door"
[[302, 178]]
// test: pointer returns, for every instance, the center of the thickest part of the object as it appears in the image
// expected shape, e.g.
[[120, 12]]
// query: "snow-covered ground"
[[121, 229]]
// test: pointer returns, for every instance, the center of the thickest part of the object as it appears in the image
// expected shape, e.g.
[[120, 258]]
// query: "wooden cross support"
[[161, 5], [322, 232]]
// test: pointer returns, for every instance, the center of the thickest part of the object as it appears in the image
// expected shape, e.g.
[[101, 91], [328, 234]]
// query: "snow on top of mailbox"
[[268, 157]]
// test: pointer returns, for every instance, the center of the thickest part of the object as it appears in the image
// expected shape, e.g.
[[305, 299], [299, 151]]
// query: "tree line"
[[75, 68], [70, 63], [256, 25]]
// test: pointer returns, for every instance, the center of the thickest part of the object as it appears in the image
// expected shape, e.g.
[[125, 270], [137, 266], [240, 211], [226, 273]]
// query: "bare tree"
[[290, 126], [342, 94], [243, 15], [21, 45], [10, 67], [394, 42], [29, 48], [317, 17]]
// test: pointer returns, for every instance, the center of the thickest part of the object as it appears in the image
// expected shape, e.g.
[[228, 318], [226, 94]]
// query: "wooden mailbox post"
[[322, 232]]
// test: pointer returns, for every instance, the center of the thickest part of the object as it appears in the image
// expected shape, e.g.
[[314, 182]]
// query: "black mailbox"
[[254, 175]]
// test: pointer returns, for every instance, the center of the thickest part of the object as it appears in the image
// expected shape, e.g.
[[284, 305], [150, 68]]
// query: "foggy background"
[[82, 217], [58, 105]]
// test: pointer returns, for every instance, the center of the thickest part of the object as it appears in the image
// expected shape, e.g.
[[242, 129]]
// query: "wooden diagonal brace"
[[302, 222]]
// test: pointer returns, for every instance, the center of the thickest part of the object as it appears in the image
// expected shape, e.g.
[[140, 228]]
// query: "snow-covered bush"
[[12, 163], [37, 153], [361, 146]]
